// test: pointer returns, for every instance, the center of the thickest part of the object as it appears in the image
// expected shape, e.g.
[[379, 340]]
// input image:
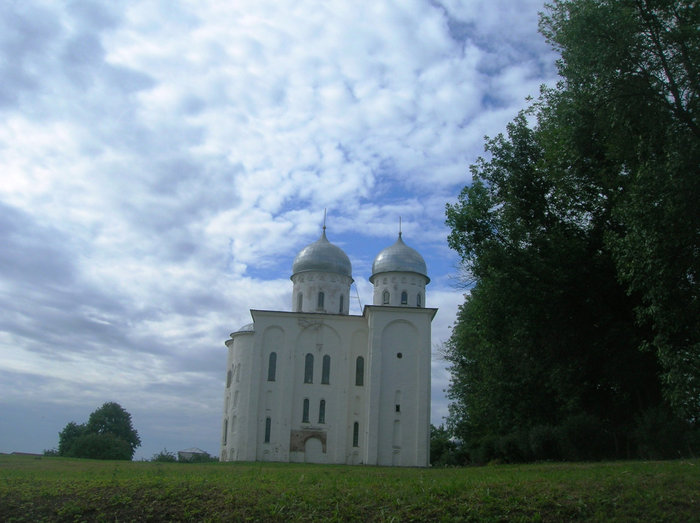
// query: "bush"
[[445, 451], [164, 456], [100, 446], [483, 451], [661, 435], [544, 443], [513, 447], [200, 458], [582, 437]]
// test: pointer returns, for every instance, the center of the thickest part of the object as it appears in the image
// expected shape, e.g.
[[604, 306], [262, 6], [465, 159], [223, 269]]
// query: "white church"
[[319, 385]]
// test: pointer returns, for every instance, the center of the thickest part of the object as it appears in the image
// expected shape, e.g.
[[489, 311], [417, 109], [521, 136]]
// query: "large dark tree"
[[108, 434], [580, 235], [634, 67]]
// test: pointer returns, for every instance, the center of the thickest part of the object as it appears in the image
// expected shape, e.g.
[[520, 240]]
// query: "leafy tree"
[[634, 66], [547, 332], [574, 242], [68, 436], [111, 418], [108, 434]]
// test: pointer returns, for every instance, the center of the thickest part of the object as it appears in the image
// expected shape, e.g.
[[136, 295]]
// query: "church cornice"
[[403, 309]]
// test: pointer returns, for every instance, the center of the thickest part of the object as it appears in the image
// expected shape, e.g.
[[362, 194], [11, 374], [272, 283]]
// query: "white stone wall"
[[385, 437], [237, 397]]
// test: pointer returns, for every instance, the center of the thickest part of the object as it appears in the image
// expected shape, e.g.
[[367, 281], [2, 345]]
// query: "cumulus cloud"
[[162, 164]]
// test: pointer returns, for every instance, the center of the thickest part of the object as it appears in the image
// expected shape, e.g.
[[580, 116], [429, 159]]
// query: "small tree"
[[108, 434], [111, 418]]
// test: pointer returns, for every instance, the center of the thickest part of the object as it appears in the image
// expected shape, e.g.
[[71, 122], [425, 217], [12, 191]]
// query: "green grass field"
[[57, 489]]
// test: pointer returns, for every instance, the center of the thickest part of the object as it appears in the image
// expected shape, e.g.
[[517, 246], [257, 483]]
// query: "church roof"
[[194, 450], [399, 257], [322, 256], [248, 327]]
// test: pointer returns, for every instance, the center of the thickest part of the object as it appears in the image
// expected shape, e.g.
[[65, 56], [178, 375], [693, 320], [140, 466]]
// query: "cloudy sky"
[[162, 163]]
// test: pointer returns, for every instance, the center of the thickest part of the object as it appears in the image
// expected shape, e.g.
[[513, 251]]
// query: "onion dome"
[[399, 257], [322, 256]]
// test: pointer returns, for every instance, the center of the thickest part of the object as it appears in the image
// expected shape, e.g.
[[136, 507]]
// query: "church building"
[[319, 385]]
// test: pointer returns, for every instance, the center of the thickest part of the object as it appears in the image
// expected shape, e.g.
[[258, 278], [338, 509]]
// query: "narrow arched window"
[[359, 371], [305, 412], [326, 370], [309, 368], [268, 427], [356, 434], [404, 298], [320, 300], [385, 298], [340, 309], [322, 411], [272, 366], [229, 376], [419, 302], [300, 301], [225, 436]]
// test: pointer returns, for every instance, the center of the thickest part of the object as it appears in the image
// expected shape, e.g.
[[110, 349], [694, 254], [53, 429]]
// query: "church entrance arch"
[[314, 451]]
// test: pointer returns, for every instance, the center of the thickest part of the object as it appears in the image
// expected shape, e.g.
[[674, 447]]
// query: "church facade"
[[319, 385]]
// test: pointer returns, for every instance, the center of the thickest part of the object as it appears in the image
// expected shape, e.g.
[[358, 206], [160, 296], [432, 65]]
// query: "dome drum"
[[322, 275]]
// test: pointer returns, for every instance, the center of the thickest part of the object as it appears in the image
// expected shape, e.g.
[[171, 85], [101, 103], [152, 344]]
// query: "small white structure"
[[319, 385], [188, 454]]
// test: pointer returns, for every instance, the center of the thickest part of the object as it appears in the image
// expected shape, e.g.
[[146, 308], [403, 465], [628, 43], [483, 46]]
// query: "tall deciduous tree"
[[636, 65], [582, 237]]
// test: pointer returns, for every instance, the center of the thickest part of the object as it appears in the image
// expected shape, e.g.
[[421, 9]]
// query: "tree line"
[[579, 236]]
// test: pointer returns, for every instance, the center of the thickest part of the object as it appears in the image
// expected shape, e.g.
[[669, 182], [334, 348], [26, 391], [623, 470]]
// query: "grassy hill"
[[35, 489]]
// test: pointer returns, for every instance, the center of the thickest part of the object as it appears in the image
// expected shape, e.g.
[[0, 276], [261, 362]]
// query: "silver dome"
[[323, 256], [248, 327], [399, 258]]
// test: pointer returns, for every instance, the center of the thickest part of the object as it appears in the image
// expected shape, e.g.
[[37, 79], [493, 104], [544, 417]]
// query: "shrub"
[[483, 451], [444, 450], [164, 456], [582, 437], [513, 447], [661, 435], [544, 443], [100, 446], [199, 458]]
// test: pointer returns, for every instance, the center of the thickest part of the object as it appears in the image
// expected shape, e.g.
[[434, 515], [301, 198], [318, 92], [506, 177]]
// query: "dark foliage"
[[581, 238], [444, 450]]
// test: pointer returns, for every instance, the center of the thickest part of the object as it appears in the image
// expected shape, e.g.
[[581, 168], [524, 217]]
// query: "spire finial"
[[324, 220], [399, 226]]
